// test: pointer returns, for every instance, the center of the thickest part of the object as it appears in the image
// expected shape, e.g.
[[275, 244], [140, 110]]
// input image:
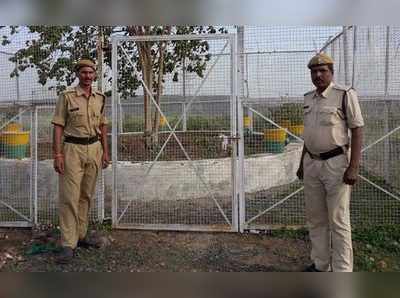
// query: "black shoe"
[[311, 268], [66, 255], [88, 243]]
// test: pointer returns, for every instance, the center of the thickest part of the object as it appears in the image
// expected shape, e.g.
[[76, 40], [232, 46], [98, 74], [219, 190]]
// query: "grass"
[[376, 248]]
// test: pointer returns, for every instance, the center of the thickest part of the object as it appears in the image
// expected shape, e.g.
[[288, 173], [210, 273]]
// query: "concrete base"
[[167, 180]]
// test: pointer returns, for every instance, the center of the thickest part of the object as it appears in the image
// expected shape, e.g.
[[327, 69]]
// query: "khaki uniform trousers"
[[77, 186], [327, 202]]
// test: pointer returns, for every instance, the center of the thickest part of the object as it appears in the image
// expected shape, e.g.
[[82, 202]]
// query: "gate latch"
[[227, 141]]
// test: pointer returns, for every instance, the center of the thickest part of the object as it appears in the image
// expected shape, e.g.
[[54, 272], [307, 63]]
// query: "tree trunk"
[[147, 73], [156, 123], [147, 64]]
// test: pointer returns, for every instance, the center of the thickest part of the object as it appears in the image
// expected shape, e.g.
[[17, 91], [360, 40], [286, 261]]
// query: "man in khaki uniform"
[[80, 151], [328, 167]]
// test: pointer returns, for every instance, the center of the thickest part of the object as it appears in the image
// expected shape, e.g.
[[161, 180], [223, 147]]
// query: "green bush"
[[208, 123], [133, 124]]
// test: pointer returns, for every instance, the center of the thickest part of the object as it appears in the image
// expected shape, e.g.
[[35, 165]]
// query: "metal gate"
[[273, 196], [176, 169], [17, 167]]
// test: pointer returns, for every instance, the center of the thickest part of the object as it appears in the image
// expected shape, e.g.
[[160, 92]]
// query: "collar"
[[80, 92], [326, 92]]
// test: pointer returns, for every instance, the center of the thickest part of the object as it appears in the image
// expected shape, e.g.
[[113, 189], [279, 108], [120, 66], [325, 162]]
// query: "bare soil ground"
[[138, 251], [376, 249]]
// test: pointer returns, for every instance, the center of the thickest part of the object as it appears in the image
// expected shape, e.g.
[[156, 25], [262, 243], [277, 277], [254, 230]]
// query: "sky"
[[274, 64], [287, 70]]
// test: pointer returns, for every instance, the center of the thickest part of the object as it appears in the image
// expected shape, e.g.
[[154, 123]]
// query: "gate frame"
[[32, 220], [234, 138]]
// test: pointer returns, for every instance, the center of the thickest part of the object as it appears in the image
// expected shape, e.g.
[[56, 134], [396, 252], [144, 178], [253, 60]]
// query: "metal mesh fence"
[[368, 62], [16, 168], [24, 88], [272, 80], [28, 182], [273, 195], [275, 77], [365, 58], [177, 176]]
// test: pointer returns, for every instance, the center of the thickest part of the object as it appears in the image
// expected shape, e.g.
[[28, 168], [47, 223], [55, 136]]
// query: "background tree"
[[53, 50]]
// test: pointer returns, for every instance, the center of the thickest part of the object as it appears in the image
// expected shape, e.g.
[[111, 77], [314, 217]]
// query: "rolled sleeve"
[[354, 116], [60, 114]]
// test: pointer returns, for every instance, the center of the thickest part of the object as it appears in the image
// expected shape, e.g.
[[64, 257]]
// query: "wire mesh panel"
[[275, 77], [47, 178], [272, 150], [187, 179], [373, 72], [172, 154], [377, 197], [365, 58], [16, 167]]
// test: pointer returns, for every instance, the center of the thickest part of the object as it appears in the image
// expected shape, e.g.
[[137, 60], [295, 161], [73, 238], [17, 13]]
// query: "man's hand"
[[59, 164], [105, 160], [300, 172], [350, 177]]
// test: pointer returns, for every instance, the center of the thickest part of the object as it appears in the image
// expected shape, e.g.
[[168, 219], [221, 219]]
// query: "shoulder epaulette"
[[99, 93], [69, 90], [342, 88]]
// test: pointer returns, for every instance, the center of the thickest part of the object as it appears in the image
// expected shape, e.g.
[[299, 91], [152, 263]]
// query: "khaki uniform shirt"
[[80, 116], [324, 125]]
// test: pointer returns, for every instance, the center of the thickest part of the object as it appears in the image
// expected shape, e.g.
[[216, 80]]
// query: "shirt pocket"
[[77, 117], [329, 116]]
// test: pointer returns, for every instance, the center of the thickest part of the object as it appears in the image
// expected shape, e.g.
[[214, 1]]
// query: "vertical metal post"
[[100, 87], [184, 120], [120, 116], [387, 60], [246, 82], [114, 138], [100, 59], [100, 207], [331, 47], [246, 85], [238, 67], [18, 91], [240, 52], [34, 165], [243, 74], [353, 76], [234, 132], [345, 57], [386, 128]]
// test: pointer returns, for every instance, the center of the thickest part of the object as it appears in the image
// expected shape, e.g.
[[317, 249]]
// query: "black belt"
[[81, 141], [327, 155]]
